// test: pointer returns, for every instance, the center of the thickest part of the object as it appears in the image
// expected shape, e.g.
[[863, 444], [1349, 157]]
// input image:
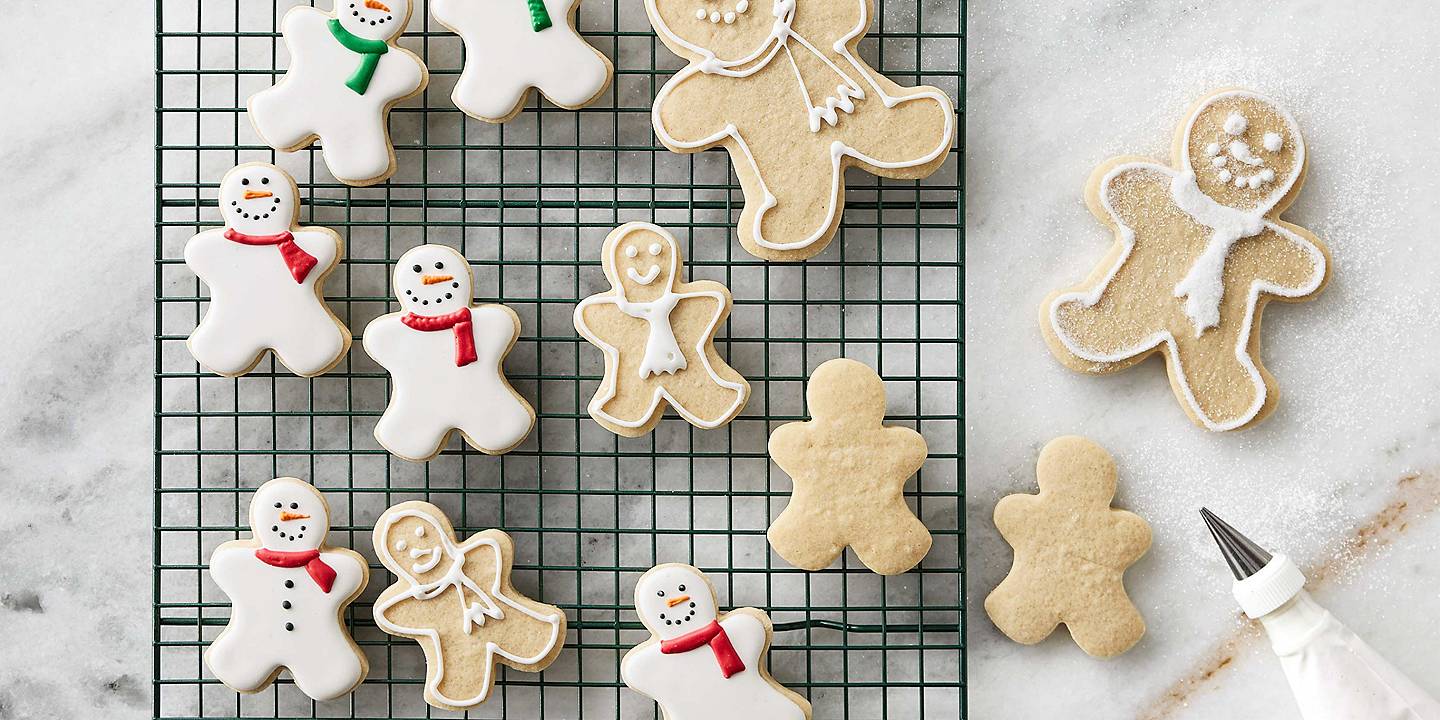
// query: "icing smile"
[[357, 7], [1238, 150], [428, 280], [255, 211], [728, 16], [432, 558], [645, 279]]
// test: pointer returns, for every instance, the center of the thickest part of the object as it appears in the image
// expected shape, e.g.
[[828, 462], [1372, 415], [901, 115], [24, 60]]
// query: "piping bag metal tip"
[[1244, 557]]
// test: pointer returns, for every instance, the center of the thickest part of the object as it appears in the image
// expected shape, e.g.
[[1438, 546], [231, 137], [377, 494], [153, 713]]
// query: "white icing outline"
[[838, 150], [615, 296], [456, 578]]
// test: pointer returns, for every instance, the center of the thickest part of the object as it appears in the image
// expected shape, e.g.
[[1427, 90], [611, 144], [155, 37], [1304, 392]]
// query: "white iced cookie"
[[445, 359], [514, 45], [346, 73], [701, 664], [288, 592], [266, 277]]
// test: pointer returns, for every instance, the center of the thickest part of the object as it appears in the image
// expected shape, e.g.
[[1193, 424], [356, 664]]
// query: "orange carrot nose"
[[286, 515], [672, 602], [432, 279], [376, 5], [252, 194]]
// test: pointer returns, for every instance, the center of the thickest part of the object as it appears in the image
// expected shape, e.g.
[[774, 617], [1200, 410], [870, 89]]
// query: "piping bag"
[[1333, 673]]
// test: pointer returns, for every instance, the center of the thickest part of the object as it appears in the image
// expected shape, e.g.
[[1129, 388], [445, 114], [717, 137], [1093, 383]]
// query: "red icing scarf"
[[459, 320], [714, 636], [299, 261], [322, 574]]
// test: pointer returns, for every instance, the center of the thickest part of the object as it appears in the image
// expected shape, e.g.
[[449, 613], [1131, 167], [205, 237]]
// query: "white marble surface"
[[1054, 89]]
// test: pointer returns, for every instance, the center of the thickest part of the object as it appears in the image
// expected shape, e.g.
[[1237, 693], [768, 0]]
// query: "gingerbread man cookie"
[[1071, 551], [701, 664], [446, 358], [658, 335], [288, 592], [849, 472], [779, 84], [514, 45], [346, 73], [456, 600], [266, 276], [1199, 251]]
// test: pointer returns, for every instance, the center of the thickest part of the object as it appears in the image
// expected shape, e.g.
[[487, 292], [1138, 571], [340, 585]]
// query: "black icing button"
[[285, 604], [289, 583], [289, 626]]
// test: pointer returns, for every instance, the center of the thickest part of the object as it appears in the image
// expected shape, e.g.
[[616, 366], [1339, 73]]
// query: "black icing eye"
[[682, 588], [244, 181], [416, 268], [439, 266], [277, 505], [296, 506], [264, 181], [660, 593]]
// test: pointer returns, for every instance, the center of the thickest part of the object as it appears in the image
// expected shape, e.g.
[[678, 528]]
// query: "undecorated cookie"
[[1071, 551], [456, 600], [288, 592], [1198, 252], [779, 84], [700, 663], [849, 472], [658, 335], [346, 73]]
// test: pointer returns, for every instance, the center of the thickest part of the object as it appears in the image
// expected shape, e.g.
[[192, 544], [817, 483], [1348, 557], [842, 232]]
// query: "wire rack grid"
[[529, 203]]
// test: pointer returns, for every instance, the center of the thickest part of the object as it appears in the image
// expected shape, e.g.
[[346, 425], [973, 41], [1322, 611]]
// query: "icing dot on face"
[[631, 251], [1217, 161], [1236, 123], [401, 546], [1273, 142], [1267, 175], [715, 16], [1240, 182], [729, 18], [742, 6], [1254, 182], [655, 248], [1212, 149], [1224, 176], [699, 13], [419, 531]]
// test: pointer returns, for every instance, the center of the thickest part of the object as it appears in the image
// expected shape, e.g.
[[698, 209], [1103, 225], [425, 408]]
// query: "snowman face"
[[288, 514], [432, 280], [673, 600], [258, 199], [730, 30], [643, 263], [1245, 152], [373, 19], [418, 546]]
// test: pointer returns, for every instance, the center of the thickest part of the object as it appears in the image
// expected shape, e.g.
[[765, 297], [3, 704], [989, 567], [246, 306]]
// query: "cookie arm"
[[685, 115], [1132, 537], [1010, 514]]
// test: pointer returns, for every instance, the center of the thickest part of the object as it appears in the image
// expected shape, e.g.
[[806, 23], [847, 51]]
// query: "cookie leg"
[[1108, 624], [359, 150], [216, 346], [894, 544], [708, 403], [314, 346], [329, 674], [805, 538], [806, 194], [1225, 391], [503, 425], [1018, 611], [405, 432], [232, 658], [577, 79], [630, 405]]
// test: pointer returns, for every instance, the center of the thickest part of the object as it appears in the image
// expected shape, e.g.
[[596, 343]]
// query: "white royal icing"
[[255, 302], [472, 615], [689, 685], [1273, 142], [828, 109], [313, 100], [505, 56], [662, 350], [431, 394], [279, 616]]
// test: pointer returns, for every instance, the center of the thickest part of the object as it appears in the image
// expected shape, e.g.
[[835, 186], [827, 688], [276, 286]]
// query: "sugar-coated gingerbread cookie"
[[701, 664], [346, 73], [445, 358], [1071, 552], [514, 45], [849, 472], [456, 600], [658, 336], [780, 85], [288, 593], [266, 277], [1198, 253]]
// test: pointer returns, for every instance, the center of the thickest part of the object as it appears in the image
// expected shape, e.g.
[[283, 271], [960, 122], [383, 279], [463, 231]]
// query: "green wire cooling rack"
[[529, 203]]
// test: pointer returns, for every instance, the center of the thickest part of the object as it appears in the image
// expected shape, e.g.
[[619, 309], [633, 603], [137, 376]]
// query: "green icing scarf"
[[370, 52], [539, 17]]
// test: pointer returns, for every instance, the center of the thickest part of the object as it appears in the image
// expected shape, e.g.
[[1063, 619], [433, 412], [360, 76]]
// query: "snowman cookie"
[[288, 592], [658, 336], [849, 472], [701, 664], [514, 45], [456, 600], [1198, 252], [779, 84], [445, 358], [346, 73], [266, 276]]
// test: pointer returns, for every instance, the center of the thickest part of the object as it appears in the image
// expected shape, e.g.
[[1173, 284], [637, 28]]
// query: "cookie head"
[[432, 280], [642, 262], [373, 19], [672, 600], [419, 546], [1077, 470], [258, 199], [846, 390], [726, 30], [1245, 151], [289, 515]]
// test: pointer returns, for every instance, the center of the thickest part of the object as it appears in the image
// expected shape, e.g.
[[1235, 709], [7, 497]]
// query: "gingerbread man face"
[[373, 19], [1244, 151], [642, 265], [726, 30], [421, 550]]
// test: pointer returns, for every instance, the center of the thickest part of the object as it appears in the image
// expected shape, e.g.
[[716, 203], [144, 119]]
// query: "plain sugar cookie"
[[1071, 552], [1198, 253]]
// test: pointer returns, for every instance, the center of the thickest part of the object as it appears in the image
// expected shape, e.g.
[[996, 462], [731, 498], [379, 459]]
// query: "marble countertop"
[[1345, 476]]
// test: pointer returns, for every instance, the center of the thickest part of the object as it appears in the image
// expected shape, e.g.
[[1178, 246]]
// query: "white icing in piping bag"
[[1333, 673]]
